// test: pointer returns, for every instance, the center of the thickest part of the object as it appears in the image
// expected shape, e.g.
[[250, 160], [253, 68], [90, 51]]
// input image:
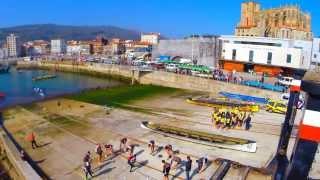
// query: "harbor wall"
[[160, 78], [11, 61]]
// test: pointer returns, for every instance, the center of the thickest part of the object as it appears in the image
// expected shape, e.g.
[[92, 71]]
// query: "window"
[[251, 54], [269, 60], [284, 20], [234, 54], [258, 43], [289, 56], [315, 56]]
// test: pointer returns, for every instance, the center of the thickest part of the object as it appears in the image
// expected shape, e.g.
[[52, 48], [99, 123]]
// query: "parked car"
[[138, 63], [158, 66], [172, 67], [276, 107]]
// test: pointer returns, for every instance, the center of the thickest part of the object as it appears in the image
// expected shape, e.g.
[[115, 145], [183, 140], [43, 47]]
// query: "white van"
[[286, 81], [171, 67]]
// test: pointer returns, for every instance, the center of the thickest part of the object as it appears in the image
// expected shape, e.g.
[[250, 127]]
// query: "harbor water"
[[19, 88]]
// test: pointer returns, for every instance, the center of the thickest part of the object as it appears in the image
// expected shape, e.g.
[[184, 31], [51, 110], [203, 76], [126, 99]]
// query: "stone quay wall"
[[12, 163], [160, 78]]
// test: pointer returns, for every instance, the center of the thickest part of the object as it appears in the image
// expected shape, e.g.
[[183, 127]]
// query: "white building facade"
[[272, 52], [73, 49], [39, 50], [12, 45], [316, 51], [152, 38], [3, 53], [58, 46]]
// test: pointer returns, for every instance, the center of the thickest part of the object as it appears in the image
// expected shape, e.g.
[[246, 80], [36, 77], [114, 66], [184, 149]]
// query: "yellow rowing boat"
[[224, 103]]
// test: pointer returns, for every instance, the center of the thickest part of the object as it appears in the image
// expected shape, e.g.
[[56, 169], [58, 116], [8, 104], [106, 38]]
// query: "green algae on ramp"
[[117, 96]]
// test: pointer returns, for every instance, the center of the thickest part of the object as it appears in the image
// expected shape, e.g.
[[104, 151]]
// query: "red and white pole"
[[309, 133], [310, 126], [280, 161]]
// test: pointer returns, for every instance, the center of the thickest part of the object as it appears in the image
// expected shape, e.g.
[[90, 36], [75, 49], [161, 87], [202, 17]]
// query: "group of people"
[[105, 151], [174, 161], [227, 77], [231, 118], [101, 154]]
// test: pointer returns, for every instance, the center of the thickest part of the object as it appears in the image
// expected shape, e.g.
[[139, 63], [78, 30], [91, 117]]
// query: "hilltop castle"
[[287, 22]]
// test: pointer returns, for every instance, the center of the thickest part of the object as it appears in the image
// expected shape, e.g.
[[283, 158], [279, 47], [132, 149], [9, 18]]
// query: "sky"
[[172, 18]]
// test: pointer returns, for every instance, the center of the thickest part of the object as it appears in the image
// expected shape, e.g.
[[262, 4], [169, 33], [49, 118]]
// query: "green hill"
[[52, 31]]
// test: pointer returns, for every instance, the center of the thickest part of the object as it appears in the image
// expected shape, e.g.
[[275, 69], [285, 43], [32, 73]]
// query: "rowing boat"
[[203, 138], [223, 103]]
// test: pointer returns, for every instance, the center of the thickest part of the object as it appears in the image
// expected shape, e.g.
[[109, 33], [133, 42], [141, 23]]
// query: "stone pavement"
[[61, 153], [74, 128]]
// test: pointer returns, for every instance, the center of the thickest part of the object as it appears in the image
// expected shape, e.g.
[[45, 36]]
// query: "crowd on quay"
[[219, 75], [231, 118], [229, 77], [171, 161]]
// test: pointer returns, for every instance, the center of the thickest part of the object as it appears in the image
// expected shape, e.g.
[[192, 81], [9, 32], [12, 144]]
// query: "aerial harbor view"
[[159, 90]]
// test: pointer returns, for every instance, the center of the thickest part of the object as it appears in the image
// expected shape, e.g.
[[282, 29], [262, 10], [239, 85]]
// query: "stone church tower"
[[287, 22]]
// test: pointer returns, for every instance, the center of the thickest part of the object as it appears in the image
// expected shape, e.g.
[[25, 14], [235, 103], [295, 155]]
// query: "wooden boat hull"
[[203, 138]]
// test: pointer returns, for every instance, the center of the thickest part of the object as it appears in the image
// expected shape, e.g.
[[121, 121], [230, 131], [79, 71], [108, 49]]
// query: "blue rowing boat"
[[247, 98]]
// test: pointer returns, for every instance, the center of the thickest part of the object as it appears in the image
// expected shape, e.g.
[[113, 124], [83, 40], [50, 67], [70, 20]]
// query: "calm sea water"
[[18, 85]]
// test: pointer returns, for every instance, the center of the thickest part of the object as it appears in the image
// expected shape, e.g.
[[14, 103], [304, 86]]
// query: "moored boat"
[[200, 137], [44, 77]]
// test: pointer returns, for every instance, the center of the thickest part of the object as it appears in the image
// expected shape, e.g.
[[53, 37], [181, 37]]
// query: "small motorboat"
[[44, 77]]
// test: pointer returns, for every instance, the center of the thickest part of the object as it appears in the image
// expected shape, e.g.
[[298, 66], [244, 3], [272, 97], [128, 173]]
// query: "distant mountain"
[[52, 31]]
